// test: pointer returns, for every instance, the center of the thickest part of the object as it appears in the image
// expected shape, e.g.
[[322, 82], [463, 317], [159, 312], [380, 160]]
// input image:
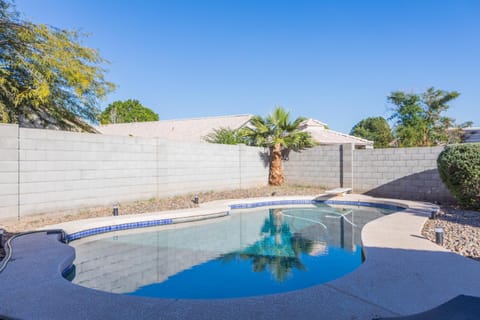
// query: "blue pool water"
[[248, 253], [240, 277]]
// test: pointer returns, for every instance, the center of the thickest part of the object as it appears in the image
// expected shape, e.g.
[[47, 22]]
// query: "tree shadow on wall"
[[265, 156], [421, 186]]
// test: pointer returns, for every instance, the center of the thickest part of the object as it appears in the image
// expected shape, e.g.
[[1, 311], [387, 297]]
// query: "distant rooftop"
[[472, 134], [196, 129]]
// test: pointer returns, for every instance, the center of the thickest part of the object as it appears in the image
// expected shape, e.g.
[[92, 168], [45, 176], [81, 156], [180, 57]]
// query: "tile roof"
[[194, 129], [472, 134], [197, 128], [326, 136]]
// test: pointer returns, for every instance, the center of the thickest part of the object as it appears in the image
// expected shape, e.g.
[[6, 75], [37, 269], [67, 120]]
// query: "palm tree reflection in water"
[[279, 251]]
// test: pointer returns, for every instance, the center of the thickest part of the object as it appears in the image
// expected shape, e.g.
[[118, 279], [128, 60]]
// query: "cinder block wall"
[[317, 166], [61, 170], [194, 167], [406, 173], [57, 170], [8, 170]]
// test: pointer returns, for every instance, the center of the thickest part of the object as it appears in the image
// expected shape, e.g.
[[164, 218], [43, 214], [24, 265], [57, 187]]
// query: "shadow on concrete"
[[461, 307], [421, 186], [407, 281]]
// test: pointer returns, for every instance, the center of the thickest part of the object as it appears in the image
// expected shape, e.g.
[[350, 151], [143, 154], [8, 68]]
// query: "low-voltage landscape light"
[[1, 238], [195, 199], [115, 209], [439, 236]]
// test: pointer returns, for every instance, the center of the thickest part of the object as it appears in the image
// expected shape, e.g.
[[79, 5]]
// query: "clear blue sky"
[[332, 60]]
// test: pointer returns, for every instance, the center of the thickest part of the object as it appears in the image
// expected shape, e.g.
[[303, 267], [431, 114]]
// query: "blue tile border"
[[315, 201], [270, 203], [118, 227], [154, 223]]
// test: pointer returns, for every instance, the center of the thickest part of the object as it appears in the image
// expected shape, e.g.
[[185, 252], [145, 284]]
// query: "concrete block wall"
[[404, 173], [346, 165], [316, 166], [8, 171], [254, 166], [59, 171], [62, 170], [195, 167], [45, 170], [407, 173]]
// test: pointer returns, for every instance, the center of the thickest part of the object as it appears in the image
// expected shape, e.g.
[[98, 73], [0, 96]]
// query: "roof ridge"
[[124, 123], [178, 120], [348, 135], [209, 117]]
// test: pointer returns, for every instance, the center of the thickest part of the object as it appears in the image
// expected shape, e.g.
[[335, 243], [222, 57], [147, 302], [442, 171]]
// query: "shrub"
[[459, 169]]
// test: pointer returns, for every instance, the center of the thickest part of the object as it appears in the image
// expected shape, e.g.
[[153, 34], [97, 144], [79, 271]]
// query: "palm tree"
[[277, 133]]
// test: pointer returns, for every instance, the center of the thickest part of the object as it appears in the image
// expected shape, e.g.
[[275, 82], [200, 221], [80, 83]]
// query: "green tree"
[[277, 133], [224, 136], [419, 120], [375, 129], [47, 78], [459, 168], [127, 111]]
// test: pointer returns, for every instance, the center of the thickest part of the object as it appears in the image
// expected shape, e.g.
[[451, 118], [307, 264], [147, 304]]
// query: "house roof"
[[197, 128], [181, 129], [323, 135], [472, 134]]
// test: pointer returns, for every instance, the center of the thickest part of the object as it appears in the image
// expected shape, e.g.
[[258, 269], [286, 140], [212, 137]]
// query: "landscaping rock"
[[461, 230]]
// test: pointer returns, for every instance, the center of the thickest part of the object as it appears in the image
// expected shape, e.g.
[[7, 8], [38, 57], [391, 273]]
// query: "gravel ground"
[[461, 229]]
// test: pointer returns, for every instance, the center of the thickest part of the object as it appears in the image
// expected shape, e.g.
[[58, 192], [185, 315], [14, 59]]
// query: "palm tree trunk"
[[276, 177]]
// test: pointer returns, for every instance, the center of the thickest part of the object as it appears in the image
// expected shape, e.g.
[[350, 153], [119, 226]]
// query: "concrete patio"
[[403, 274]]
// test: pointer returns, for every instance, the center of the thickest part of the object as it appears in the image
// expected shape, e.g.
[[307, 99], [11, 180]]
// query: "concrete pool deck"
[[403, 273]]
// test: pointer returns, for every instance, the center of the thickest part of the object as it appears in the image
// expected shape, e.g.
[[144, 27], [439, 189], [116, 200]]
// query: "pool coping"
[[404, 273]]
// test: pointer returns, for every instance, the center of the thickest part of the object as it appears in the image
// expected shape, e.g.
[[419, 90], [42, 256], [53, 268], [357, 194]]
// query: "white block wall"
[[403, 173], [58, 170], [61, 170], [408, 173], [194, 167], [8, 171], [317, 166]]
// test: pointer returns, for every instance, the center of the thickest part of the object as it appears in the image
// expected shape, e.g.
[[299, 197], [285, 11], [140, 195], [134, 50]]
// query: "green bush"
[[459, 168]]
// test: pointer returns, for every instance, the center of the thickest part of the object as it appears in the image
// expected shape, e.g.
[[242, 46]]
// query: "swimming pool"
[[247, 253]]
